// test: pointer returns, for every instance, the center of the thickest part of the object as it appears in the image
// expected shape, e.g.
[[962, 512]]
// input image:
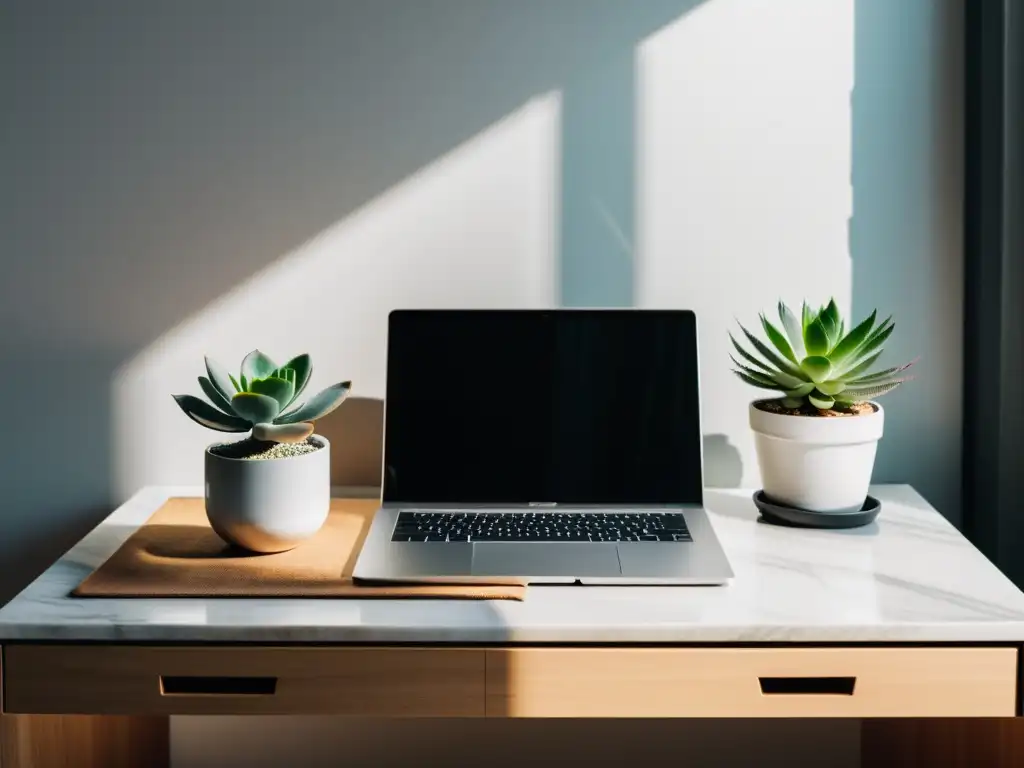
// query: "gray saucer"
[[783, 514]]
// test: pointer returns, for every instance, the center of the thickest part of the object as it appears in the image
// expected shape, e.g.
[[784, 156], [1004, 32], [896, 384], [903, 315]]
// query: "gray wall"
[[156, 155]]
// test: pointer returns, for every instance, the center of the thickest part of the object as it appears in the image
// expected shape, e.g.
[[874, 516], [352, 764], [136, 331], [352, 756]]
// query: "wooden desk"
[[903, 623]]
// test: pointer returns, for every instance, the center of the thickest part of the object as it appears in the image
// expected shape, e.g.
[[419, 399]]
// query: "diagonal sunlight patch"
[[744, 175], [475, 228]]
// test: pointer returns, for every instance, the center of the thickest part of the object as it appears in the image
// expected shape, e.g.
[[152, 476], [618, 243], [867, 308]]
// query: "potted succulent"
[[816, 442], [271, 490]]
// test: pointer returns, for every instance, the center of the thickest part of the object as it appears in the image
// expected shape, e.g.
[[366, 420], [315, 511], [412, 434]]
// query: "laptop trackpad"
[[410, 560], [537, 560]]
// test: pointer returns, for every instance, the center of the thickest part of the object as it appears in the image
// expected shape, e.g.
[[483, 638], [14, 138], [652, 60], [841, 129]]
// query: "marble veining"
[[910, 576]]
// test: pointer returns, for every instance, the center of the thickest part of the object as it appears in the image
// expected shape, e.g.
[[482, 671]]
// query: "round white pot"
[[268, 505], [821, 464]]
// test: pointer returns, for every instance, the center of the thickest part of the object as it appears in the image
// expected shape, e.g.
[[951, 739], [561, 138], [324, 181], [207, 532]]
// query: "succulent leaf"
[[257, 365], [862, 366], [832, 322], [802, 391], [861, 394], [879, 329], [317, 406], [782, 364], [821, 402], [878, 376], [874, 343], [282, 433], [776, 338], [245, 384], [220, 379], [831, 387], [215, 395], [814, 361], [302, 366], [205, 414], [793, 331], [280, 389], [817, 367], [749, 357], [234, 383], [764, 378], [254, 407], [785, 381], [816, 338], [849, 343], [758, 382], [781, 380]]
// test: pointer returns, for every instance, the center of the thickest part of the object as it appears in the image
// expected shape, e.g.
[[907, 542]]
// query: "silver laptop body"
[[596, 412]]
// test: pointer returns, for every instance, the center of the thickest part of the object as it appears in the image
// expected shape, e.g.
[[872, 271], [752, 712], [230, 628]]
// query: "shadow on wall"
[[906, 229], [356, 433], [146, 184], [723, 465]]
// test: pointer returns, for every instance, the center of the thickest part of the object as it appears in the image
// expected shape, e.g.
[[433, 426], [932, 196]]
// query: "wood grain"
[[370, 682], [726, 682], [943, 743], [82, 741]]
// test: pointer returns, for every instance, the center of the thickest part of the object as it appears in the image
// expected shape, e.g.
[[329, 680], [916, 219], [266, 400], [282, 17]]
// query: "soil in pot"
[[257, 450], [776, 406]]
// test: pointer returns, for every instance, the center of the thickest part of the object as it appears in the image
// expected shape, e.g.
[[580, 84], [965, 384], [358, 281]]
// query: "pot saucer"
[[783, 514]]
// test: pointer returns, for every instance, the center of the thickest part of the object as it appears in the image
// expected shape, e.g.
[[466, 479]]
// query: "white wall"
[[190, 178], [745, 189]]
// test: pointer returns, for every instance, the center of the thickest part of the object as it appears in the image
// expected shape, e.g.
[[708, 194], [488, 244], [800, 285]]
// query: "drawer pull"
[[807, 686], [179, 685]]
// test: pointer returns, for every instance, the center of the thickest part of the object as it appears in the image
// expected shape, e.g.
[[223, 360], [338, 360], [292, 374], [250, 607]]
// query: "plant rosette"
[[271, 490], [816, 441]]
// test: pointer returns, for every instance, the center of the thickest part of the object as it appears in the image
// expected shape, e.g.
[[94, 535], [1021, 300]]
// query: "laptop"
[[542, 447]]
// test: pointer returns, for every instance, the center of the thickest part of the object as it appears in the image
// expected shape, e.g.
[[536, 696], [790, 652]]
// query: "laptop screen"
[[564, 406]]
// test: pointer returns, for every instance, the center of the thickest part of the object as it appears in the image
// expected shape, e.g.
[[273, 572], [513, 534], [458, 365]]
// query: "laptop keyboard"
[[540, 526]]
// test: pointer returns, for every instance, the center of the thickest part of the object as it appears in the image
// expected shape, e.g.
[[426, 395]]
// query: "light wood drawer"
[[741, 682], [372, 682]]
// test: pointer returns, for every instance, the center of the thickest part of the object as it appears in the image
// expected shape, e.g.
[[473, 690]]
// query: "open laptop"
[[542, 446]]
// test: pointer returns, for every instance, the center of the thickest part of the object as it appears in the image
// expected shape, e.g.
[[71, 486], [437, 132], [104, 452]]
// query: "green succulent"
[[263, 399], [816, 363]]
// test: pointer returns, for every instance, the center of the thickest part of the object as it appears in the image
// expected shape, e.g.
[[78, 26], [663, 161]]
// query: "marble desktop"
[[909, 576]]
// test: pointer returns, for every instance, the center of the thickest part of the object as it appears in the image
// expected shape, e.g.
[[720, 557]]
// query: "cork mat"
[[176, 554]]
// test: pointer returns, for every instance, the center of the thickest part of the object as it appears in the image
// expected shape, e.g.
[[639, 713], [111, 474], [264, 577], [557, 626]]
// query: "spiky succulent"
[[815, 362], [262, 399]]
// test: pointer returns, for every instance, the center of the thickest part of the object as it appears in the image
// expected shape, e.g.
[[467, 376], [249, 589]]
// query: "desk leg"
[[84, 741], [938, 743]]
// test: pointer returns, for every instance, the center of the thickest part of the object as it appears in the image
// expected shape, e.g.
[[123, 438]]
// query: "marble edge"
[[958, 633]]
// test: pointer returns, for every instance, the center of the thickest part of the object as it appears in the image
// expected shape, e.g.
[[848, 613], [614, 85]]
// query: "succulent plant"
[[816, 363], [262, 399]]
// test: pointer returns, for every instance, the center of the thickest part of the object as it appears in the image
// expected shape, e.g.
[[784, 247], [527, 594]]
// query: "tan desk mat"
[[176, 554]]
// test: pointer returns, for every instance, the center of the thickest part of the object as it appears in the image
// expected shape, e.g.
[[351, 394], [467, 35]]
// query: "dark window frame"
[[993, 471]]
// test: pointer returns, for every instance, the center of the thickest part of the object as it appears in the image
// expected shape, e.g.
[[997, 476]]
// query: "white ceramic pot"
[[269, 505], [818, 463]]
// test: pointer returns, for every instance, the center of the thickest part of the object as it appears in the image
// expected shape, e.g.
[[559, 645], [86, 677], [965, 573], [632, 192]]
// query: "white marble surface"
[[910, 576]]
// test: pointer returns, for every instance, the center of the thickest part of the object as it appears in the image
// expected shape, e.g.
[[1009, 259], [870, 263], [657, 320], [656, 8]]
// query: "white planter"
[[268, 505], [817, 463]]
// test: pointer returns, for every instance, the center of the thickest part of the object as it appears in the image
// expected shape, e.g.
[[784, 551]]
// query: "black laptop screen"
[[565, 406]]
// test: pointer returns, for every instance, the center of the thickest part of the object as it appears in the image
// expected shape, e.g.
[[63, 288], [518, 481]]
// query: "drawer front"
[[140, 680], [740, 682]]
